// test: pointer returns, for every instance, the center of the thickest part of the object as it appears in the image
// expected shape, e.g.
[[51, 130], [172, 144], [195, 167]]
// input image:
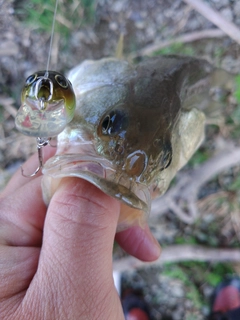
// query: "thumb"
[[75, 264]]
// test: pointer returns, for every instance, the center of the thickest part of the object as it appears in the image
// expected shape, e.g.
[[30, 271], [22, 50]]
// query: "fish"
[[134, 127]]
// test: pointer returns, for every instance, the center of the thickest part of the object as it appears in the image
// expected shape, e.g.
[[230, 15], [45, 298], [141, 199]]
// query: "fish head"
[[128, 137]]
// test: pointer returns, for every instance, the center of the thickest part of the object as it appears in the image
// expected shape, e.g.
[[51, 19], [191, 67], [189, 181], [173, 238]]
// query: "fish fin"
[[119, 48]]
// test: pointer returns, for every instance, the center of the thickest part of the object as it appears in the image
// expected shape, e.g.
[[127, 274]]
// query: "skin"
[[56, 262]]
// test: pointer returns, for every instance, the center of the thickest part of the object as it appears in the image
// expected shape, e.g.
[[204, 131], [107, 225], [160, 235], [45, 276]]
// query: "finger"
[[139, 243], [81, 218], [77, 246], [22, 215], [18, 180], [17, 268]]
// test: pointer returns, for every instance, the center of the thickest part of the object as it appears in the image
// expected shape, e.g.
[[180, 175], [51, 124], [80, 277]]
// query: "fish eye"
[[115, 122], [31, 79], [62, 81]]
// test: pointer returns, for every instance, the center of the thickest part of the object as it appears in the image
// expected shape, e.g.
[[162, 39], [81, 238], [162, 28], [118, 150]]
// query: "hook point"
[[30, 175]]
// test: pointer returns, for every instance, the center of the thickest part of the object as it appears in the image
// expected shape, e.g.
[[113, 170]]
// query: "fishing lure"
[[48, 105]]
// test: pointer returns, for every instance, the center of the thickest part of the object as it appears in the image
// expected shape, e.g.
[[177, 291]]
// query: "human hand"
[[56, 262]]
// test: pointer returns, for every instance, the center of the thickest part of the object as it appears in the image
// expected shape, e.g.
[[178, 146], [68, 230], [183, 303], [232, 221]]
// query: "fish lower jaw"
[[134, 196]]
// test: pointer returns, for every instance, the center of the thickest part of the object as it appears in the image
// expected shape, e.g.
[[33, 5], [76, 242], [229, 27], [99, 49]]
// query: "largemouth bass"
[[133, 128]]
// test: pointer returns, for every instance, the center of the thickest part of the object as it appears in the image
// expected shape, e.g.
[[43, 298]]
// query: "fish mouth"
[[134, 196]]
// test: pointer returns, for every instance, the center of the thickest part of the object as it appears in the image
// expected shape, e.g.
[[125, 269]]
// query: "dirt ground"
[[173, 291]]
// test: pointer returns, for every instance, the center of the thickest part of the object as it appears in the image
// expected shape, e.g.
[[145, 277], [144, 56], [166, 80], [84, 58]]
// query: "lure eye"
[[62, 81], [31, 79], [114, 123]]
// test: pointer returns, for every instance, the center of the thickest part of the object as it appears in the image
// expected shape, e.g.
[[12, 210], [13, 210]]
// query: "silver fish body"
[[132, 130]]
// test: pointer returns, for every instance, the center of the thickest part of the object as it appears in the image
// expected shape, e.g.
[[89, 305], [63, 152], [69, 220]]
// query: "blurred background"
[[88, 29]]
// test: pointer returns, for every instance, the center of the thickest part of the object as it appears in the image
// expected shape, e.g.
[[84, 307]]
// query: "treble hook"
[[41, 142]]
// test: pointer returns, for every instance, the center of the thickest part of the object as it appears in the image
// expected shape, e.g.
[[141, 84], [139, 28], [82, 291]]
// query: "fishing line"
[[51, 39]]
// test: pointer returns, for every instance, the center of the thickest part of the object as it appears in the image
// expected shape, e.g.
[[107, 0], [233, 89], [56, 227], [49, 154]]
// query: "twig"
[[180, 253], [216, 18], [186, 190], [185, 38]]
